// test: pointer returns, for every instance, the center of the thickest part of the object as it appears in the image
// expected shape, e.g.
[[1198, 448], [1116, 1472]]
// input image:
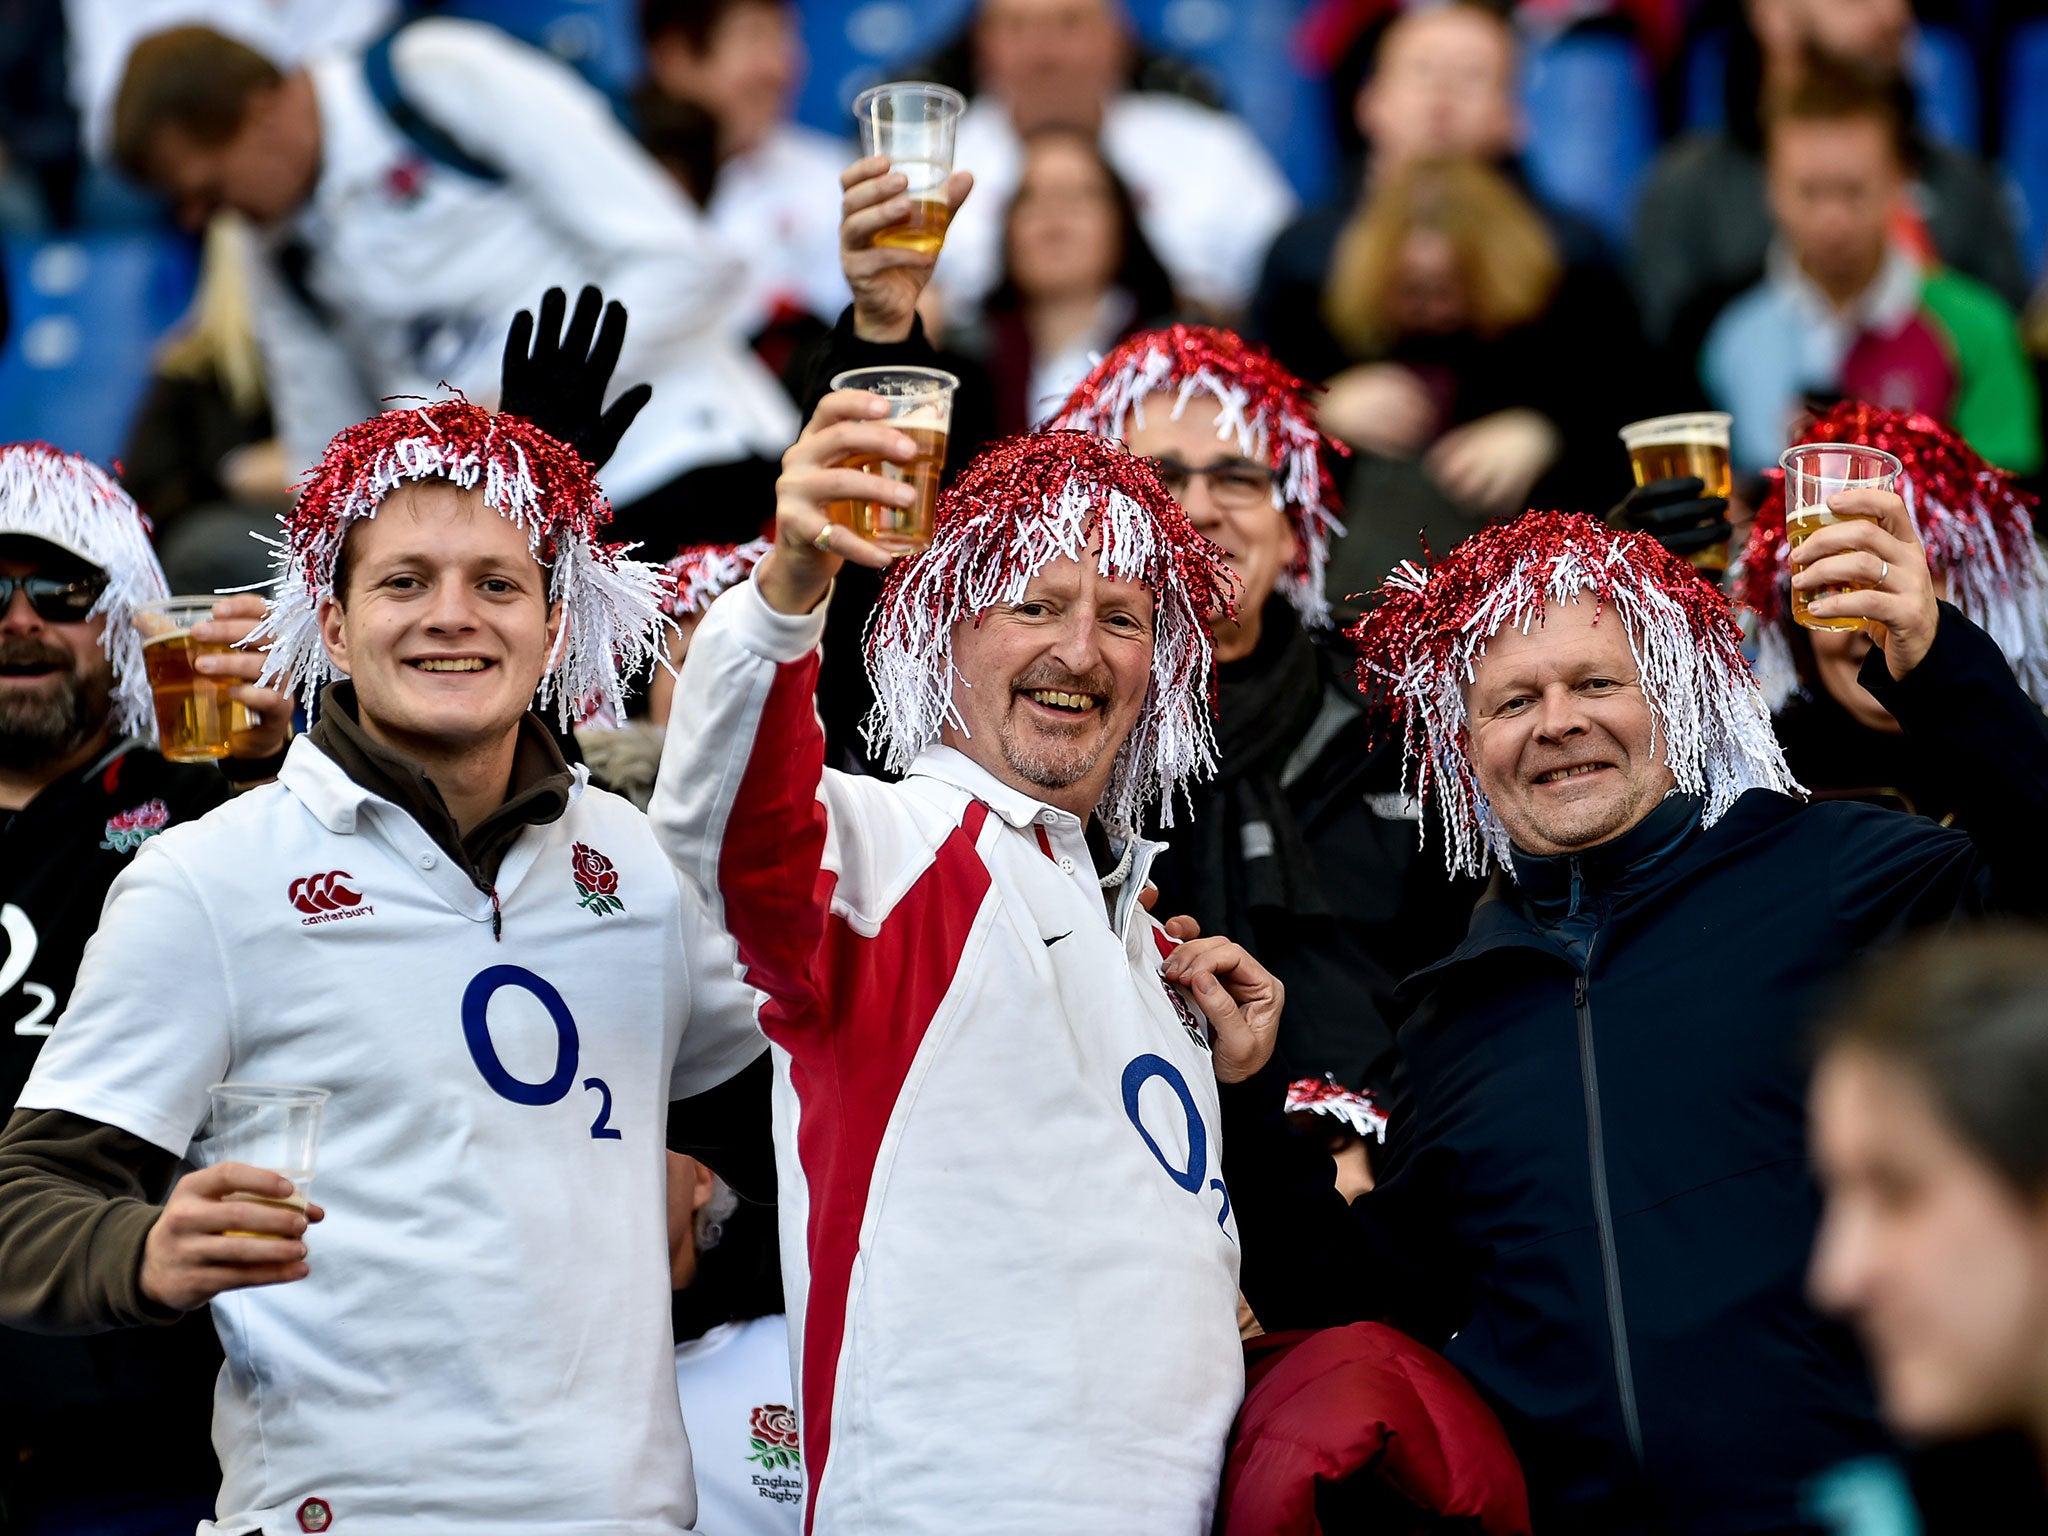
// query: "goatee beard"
[[35, 732]]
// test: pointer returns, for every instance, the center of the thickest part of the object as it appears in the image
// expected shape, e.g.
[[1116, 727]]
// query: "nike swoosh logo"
[[1057, 937]]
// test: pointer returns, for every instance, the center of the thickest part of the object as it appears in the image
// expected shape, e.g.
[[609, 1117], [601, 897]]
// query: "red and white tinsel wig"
[[1267, 411], [701, 572], [1421, 643], [1022, 504], [1977, 525], [1326, 1098], [612, 622], [62, 499]]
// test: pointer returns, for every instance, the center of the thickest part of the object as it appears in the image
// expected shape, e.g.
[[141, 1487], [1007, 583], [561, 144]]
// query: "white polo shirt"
[[484, 1342]]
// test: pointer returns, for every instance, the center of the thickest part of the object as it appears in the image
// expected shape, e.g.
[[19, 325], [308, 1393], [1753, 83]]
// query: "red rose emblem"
[[775, 1425], [597, 882]]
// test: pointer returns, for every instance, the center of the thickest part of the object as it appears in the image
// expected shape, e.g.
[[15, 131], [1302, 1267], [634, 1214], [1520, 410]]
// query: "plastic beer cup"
[[914, 124], [921, 407], [1813, 473], [274, 1126]]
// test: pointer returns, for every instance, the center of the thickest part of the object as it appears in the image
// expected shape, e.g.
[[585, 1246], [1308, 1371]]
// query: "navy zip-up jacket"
[[1597, 1198]]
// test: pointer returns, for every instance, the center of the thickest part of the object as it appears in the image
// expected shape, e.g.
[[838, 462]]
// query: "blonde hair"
[[1509, 263], [217, 342]]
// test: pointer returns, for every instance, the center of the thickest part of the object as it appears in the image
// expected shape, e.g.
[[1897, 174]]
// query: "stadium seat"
[[1944, 82], [2026, 136], [1241, 44], [87, 314], [601, 38], [853, 43], [1944, 74], [1592, 124]]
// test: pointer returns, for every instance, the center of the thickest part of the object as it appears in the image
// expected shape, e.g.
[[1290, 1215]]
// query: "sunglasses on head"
[[55, 599]]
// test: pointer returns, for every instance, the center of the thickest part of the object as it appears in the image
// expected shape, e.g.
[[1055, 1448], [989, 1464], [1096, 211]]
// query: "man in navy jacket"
[[1596, 1196]]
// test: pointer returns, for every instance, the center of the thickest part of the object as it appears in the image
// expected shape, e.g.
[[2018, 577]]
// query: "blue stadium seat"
[[1242, 44], [1944, 71], [1592, 125], [601, 38], [1943, 67], [854, 43], [88, 313], [2026, 136]]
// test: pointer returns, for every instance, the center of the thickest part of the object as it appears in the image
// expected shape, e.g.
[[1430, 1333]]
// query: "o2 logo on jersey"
[[22, 945], [1142, 1071], [476, 1030]]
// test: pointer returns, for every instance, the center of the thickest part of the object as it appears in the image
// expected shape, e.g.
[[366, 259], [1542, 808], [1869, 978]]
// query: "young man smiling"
[[980, 1054], [1597, 1198], [493, 969]]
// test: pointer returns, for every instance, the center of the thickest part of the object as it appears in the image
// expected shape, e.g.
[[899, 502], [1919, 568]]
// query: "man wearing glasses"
[[1303, 846], [1303, 839], [80, 791]]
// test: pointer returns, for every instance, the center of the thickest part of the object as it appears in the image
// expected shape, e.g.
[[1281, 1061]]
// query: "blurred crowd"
[[1372, 373]]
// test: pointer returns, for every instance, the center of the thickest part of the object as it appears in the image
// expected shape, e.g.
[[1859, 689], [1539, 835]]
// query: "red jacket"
[[1368, 1417]]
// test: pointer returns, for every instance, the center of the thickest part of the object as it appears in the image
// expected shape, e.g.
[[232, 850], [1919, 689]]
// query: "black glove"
[[1675, 514], [559, 384]]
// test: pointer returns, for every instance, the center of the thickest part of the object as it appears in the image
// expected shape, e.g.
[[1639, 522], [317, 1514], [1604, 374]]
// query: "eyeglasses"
[[1235, 486], [55, 601]]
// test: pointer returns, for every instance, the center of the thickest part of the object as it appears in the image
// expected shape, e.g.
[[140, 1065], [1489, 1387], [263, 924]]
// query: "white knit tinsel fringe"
[[971, 567], [1714, 727], [612, 626], [1122, 401], [73, 502]]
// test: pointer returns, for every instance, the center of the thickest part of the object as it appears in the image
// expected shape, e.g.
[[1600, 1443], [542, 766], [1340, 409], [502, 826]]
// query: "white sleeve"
[[315, 387], [723, 1032], [559, 144], [149, 1027]]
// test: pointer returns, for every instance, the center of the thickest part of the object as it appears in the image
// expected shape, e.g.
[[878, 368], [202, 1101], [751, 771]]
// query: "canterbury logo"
[[324, 893]]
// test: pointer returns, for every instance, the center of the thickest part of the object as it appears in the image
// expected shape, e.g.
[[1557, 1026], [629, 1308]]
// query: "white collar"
[[337, 801], [951, 766], [1888, 303]]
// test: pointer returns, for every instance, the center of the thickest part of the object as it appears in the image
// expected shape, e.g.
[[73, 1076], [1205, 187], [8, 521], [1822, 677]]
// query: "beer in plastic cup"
[[1693, 445], [913, 123], [920, 407], [194, 715], [274, 1126], [1813, 473]]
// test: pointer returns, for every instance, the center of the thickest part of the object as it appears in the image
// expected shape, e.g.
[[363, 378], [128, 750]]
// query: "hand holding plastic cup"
[[914, 124], [921, 407], [1814, 473], [273, 1126], [195, 717]]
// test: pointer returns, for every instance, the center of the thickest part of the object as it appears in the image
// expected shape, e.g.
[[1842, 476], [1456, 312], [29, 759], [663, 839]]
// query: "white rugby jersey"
[[1009, 1253], [735, 1390], [420, 268], [483, 1344]]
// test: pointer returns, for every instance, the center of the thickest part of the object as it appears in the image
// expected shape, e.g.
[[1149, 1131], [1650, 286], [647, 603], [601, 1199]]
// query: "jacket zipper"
[[1603, 1219], [497, 917]]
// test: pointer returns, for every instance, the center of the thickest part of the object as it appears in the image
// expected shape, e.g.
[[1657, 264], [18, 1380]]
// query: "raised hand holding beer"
[[849, 425], [886, 279], [1877, 567]]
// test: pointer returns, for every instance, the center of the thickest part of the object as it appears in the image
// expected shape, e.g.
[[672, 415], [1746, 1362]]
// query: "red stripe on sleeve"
[[771, 859], [882, 994]]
